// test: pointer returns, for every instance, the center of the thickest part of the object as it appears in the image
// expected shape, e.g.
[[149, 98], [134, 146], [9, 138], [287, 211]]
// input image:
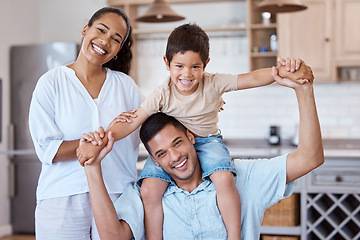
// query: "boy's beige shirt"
[[198, 111]]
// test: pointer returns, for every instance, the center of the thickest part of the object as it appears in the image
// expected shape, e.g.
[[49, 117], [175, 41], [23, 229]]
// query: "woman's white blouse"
[[61, 109]]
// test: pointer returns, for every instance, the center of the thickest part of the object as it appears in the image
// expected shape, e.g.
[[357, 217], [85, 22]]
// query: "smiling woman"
[[69, 101]]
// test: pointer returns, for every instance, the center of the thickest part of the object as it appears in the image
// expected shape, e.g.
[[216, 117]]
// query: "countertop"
[[259, 148]]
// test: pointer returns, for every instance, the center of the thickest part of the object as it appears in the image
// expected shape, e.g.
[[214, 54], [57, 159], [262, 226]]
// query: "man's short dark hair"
[[154, 124], [188, 37]]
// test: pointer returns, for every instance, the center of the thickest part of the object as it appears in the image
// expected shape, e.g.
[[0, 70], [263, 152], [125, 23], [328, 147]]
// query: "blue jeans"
[[212, 153]]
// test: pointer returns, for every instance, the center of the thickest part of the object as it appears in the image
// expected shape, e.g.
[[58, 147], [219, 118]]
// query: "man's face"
[[173, 150]]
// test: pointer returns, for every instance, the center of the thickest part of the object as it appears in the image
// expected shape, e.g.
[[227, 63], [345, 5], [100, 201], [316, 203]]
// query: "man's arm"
[[106, 219], [309, 153]]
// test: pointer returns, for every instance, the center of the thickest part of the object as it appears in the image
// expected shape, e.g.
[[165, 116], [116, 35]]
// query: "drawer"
[[335, 177]]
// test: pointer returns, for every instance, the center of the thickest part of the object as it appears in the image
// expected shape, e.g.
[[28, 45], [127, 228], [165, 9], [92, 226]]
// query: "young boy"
[[193, 96]]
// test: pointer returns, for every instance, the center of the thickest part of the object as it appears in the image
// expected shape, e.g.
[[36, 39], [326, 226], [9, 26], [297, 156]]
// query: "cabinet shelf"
[[263, 54], [263, 26]]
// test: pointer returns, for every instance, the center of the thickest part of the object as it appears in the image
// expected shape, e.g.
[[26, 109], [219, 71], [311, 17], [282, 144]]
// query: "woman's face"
[[103, 39]]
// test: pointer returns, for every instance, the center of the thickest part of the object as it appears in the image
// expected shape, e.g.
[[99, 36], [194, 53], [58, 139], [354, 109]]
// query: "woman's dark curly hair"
[[123, 61]]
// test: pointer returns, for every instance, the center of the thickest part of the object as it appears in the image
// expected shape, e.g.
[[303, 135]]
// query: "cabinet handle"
[[338, 179]]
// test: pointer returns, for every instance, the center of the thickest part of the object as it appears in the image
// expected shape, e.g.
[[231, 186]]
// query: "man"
[[189, 203]]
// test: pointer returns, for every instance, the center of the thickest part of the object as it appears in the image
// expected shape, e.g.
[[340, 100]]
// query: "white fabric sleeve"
[[45, 135], [129, 208]]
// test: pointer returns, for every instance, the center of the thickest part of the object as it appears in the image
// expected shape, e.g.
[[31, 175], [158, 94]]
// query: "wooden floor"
[[19, 237]]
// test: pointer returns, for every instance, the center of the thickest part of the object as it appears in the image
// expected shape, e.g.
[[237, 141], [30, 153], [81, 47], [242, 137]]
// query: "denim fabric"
[[212, 153]]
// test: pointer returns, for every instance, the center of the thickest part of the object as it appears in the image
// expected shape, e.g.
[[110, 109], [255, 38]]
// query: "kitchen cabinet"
[[324, 35], [257, 32], [347, 33], [331, 199], [307, 34]]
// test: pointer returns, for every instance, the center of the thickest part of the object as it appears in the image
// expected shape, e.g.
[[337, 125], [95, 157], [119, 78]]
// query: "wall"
[[31, 22]]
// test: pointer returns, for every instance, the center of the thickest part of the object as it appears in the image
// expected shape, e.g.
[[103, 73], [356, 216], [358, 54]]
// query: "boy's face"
[[186, 71]]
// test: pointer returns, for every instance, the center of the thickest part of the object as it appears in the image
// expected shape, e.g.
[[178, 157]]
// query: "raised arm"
[[309, 153], [106, 219]]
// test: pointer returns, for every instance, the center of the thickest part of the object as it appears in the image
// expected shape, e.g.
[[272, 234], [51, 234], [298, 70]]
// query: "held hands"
[[287, 82], [90, 146], [104, 151], [295, 70]]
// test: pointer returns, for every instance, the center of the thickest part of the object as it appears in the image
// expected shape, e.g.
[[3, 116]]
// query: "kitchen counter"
[[259, 148]]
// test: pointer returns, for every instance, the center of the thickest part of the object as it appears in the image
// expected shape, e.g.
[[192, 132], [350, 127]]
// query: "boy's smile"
[[186, 70]]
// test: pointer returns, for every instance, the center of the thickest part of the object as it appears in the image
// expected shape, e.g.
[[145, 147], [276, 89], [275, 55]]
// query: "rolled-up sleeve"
[[45, 134], [130, 209]]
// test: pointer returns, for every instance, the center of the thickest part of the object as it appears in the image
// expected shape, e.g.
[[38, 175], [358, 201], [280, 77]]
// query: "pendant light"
[[159, 11], [280, 6]]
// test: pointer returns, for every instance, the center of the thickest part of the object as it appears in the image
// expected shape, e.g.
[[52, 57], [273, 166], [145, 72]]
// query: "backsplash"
[[249, 113]]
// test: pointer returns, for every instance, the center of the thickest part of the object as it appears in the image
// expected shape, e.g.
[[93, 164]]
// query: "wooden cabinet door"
[[347, 38], [307, 34]]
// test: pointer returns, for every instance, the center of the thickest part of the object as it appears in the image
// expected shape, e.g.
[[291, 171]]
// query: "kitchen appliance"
[[274, 135], [27, 64]]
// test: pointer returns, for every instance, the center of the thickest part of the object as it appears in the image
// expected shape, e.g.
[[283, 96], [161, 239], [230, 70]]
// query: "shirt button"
[[188, 197], [196, 238], [192, 217]]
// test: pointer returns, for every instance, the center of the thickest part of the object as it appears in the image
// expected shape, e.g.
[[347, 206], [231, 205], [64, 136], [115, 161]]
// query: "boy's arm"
[[106, 219], [87, 152], [309, 153], [263, 77]]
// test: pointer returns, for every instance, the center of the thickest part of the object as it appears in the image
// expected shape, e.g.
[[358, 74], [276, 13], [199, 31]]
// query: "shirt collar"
[[204, 186]]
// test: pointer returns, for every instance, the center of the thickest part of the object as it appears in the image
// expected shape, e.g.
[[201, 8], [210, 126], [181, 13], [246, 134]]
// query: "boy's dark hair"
[[154, 124], [188, 37]]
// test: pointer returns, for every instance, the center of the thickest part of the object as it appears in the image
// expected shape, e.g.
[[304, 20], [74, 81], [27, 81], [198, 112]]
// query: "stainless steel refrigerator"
[[27, 64]]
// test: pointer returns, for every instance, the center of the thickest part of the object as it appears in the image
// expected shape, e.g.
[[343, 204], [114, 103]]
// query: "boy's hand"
[[292, 64], [124, 117]]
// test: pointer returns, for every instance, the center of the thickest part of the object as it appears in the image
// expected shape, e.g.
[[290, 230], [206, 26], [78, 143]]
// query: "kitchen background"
[[248, 114]]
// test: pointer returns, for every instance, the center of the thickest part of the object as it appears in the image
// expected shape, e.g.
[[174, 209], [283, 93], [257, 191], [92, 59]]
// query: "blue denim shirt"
[[261, 183]]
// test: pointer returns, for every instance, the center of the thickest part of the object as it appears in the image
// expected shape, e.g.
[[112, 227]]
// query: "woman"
[[71, 100]]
